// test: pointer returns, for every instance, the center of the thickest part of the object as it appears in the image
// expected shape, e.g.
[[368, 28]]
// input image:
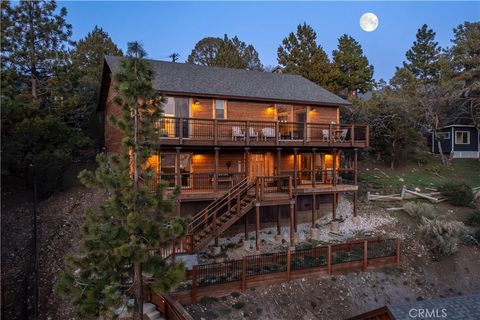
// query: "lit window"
[[443, 135], [462, 137], [219, 109]]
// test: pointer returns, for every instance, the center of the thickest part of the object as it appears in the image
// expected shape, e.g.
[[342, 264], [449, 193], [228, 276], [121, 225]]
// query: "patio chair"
[[325, 135], [343, 135], [252, 133], [237, 133], [268, 133]]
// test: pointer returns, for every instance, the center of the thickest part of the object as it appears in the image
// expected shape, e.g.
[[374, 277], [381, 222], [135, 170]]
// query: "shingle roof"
[[184, 78], [456, 308]]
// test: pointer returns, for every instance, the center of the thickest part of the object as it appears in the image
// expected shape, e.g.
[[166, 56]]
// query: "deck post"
[[314, 207], [334, 206], [247, 133], [215, 132], [329, 259], [355, 157], [367, 136], [257, 225], [355, 203], [277, 130], [177, 167], [180, 130], [244, 273], [365, 255], [194, 285], [246, 226], [398, 251], [279, 230], [215, 177], [292, 227], [334, 182], [279, 161], [247, 155], [289, 264], [295, 164], [314, 176], [352, 135]]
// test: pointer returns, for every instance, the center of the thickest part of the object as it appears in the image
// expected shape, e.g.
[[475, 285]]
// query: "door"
[[300, 118], [182, 110], [256, 165], [306, 167]]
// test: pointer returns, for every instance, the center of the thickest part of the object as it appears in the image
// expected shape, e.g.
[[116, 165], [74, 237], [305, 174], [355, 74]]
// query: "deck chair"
[[268, 133], [325, 135], [252, 133], [237, 133], [343, 135]]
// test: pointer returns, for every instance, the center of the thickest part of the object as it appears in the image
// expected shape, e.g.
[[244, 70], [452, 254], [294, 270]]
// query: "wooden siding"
[[246, 110], [324, 115], [205, 163], [203, 109]]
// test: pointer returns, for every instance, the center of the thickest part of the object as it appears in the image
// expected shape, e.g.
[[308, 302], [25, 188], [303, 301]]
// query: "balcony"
[[219, 132]]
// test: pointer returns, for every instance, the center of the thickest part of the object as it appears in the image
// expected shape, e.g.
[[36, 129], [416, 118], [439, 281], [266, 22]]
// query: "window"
[[462, 137], [219, 109], [443, 135]]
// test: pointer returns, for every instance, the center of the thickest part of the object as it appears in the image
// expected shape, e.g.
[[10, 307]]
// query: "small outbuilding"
[[457, 140]]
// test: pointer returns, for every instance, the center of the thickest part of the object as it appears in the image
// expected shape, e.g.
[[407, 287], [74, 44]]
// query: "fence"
[[256, 270]]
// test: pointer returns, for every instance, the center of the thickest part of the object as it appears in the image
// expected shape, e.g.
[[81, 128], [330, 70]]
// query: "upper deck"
[[223, 132]]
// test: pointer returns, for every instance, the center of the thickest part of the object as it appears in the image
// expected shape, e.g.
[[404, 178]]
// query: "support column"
[[292, 227], [215, 177], [314, 176], [279, 229], [257, 226], [295, 165], [355, 203], [246, 225], [178, 177], [247, 155], [314, 208], [334, 206], [279, 161], [334, 182], [355, 157]]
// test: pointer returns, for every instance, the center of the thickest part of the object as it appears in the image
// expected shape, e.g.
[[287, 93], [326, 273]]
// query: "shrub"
[[459, 194], [238, 305], [419, 210], [474, 219], [442, 236]]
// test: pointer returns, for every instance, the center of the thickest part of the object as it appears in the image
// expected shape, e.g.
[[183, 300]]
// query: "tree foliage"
[[355, 73], [118, 238], [226, 52], [300, 54]]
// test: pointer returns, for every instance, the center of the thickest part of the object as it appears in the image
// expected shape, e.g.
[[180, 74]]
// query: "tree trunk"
[[138, 295], [440, 150]]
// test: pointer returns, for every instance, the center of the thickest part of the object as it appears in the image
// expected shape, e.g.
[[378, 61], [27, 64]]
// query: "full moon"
[[369, 22]]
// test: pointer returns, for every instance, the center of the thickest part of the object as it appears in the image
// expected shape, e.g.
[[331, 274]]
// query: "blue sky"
[[167, 27]]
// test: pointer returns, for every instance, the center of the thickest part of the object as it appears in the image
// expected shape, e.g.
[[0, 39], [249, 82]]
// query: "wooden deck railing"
[[256, 270], [193, 131]]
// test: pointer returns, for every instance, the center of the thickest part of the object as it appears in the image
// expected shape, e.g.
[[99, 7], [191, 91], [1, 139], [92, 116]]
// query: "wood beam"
[[314, 207], [247, 156], [215, 177], [292, 213], [334, 206], [279, 161], [355, 158], [295, 165], [279, 229], [334, 182], [178, 181], [314, 156], [257, 225]]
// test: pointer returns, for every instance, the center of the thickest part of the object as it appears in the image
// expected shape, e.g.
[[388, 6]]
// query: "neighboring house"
[[246, 147], [458, 140]]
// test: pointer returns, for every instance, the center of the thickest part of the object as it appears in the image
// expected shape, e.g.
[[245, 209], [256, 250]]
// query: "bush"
[[442, 236], [459, 194], [238, 305], [419, 210], [474, 219]]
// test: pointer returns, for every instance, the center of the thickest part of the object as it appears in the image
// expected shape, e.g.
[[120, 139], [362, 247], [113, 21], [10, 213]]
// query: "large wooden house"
[[246, 147]]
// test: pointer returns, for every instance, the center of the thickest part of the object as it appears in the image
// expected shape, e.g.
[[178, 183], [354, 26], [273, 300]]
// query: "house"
[[457, 140], [246, 148]]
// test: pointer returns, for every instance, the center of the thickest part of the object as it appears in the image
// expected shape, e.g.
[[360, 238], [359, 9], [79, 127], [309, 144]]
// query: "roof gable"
[[184, 78]]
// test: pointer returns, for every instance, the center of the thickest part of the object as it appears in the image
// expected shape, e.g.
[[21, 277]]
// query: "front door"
[[260, 164]]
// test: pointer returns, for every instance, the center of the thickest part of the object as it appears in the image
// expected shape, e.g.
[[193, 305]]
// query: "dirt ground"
[[420, 275]]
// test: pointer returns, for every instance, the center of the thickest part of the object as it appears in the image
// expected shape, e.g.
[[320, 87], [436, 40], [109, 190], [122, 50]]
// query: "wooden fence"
[[217, 279]]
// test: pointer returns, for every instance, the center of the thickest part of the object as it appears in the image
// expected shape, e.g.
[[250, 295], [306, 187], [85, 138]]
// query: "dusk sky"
[[167, 27]]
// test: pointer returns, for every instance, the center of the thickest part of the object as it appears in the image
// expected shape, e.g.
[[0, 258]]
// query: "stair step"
[[154, 315], [147, 307]]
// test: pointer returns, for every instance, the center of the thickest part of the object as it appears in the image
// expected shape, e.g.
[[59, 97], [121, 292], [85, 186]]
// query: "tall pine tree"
[[356, 74], [118, 238], [300, 54]]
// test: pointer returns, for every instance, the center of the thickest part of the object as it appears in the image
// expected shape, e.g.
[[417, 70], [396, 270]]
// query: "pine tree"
[[356, 74], [134, 220], [226, 53], [40, 38], [85, 75], [300, 54], [424, 54]]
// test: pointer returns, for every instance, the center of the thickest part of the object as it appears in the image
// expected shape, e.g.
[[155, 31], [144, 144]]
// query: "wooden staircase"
[[222, 213]]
